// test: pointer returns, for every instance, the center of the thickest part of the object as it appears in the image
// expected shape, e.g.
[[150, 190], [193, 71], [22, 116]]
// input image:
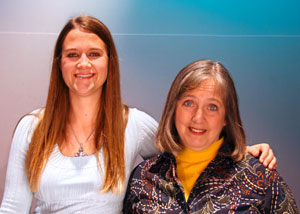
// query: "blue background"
[[258, 41]]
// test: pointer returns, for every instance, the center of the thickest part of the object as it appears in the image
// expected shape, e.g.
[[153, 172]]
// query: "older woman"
[[204, 167]]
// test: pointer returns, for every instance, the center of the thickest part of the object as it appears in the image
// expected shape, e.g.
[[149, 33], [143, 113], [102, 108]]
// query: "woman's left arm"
[[146, 127], [265, 154], [278, 196]]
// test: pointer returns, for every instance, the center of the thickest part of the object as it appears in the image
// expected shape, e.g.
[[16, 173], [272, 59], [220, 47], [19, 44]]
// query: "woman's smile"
[[84, 76], [197, 131], [84, 63], [200, 116]]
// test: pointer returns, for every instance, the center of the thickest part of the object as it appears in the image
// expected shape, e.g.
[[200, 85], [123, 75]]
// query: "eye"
[[72, 55], [95, 54], [188, 103], [212, 107]]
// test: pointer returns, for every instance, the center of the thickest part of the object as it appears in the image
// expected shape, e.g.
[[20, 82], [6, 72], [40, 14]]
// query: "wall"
[[258, 41]]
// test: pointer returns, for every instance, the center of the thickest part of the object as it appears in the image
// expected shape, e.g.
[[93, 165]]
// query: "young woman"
[[76, 154], [204, 167]]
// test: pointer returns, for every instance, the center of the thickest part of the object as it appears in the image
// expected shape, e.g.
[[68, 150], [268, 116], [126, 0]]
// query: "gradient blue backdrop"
[[258, 41]]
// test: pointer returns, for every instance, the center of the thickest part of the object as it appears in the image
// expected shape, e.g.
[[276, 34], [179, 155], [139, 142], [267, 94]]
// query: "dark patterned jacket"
[[225, 186]]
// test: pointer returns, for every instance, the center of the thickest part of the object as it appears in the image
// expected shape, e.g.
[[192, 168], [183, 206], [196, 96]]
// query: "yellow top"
[[190, 164]]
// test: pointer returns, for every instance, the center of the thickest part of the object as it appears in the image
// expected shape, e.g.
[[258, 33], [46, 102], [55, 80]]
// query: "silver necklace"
[[80, 152]]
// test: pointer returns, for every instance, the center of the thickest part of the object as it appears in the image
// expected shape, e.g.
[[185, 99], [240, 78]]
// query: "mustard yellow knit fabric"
[[190, 164]]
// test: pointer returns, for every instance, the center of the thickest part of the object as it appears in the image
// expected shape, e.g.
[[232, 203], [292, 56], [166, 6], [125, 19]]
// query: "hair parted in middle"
[[189, 78], [110, 122]]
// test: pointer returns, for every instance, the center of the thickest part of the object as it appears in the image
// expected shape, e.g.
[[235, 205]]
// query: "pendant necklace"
[[80, 152]]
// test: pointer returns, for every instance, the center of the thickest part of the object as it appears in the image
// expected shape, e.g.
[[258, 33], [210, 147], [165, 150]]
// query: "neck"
[[84, 111], [82, 119]]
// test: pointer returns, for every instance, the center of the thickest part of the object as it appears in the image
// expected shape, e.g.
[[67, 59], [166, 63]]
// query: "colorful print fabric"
[[225, 186]]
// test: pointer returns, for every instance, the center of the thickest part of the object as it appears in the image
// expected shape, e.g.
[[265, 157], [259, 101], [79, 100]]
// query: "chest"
[[69, 177], [223, 193]]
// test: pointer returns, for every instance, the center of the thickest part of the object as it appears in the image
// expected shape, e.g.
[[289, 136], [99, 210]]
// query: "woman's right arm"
[[17, 196]]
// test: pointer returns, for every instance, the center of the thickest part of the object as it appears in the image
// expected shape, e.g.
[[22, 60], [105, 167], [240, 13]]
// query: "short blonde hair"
[[189, 78]]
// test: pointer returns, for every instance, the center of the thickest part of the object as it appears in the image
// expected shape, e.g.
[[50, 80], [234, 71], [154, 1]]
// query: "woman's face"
[[200, 116], [84, 63]]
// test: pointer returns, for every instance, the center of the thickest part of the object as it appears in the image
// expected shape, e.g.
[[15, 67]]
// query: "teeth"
[[197, 130], [84, 75]]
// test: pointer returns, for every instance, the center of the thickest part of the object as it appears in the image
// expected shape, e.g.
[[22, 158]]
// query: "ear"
[[224, 123]]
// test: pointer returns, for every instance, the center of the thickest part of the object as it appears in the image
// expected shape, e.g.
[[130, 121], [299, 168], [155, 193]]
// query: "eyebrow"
[[219, 100], [187, 95], [75, 49]]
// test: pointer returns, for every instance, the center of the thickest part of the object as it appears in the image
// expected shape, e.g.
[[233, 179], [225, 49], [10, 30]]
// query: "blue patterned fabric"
[[225, 186]]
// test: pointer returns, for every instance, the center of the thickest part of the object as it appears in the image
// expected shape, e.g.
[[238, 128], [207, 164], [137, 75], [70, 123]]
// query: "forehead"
[[209, 87], [82, 38]]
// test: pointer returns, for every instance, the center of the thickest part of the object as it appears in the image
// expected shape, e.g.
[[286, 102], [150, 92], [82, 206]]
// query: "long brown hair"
[[189, 78], [110, 121]]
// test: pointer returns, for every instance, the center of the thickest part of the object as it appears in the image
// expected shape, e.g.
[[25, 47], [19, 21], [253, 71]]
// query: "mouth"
[[197, 131], [84, 76]]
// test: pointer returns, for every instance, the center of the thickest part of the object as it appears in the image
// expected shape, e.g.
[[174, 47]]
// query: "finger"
[[265, 149], [273, 164], [269, 158], [253, 150]]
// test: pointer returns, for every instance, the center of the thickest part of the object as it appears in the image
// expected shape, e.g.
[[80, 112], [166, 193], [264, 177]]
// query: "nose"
[[84, 62], [198, 115]]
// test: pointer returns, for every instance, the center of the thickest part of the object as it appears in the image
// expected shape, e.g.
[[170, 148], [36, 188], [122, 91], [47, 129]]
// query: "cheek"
[[181, 119], [64, 68], [220, 123], [103, 61], [102, 67], [65, 72]]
